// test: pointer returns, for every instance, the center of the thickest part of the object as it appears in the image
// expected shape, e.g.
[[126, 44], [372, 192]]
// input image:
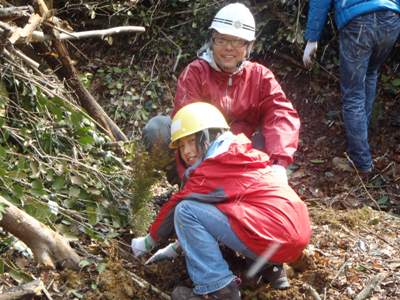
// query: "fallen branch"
[[33, 288], [145, 285], [23, 34], [362, 182], [38, 36], [312, 291], [22, 56], [49, 248], [15, 12], [372, 284]]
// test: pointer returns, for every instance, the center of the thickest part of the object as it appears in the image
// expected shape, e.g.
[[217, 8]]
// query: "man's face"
[[228, 51], [188, 150]]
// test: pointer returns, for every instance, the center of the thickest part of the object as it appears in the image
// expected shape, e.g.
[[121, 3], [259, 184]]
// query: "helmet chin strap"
[[203, 141]]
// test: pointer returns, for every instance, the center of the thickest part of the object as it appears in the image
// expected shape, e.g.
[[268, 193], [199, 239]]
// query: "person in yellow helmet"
[[230, 196]]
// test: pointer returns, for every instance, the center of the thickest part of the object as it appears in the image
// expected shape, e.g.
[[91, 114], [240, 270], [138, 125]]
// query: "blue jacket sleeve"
[[317, 14]]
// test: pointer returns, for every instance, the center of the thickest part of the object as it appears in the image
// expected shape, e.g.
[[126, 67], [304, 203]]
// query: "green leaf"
[[101, 267], [317, 161], [3, 207], [3, 152], [77, 294], [396, 82], [85, 262], [74, 191], [1, 266], [20, 276], [35, 169], [37, 188], [58, 183], [77, 180], [92, 215], [383, 201], [86, 140]]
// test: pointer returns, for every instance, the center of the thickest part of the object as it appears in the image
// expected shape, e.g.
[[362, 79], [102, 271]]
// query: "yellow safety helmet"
[[193, 118]]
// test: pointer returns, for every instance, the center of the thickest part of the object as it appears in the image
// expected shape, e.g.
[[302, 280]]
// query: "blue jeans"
[[364, 44], [200, 228]]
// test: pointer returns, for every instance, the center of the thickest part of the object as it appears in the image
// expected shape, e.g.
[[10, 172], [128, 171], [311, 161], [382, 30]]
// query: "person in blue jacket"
[[368, 29]]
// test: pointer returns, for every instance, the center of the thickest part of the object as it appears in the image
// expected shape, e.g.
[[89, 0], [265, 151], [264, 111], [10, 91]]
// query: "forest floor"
[[356, 225], [356, 228]]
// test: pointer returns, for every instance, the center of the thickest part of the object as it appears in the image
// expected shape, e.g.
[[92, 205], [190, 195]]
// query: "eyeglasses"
[[219, 41]]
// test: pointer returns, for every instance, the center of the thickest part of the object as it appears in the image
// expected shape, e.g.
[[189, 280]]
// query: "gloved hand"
[[142, 245], [309, 53], [169, 252], [280, 172]]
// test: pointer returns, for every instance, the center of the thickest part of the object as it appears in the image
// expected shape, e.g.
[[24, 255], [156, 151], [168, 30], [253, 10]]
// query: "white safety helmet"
[[237, 20]]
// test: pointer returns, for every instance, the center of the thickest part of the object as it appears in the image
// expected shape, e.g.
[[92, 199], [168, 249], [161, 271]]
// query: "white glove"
[[142, 245], [309, 53], [169, 252], [280, 172]]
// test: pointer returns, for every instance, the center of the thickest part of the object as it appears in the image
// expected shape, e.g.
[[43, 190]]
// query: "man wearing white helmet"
[[247, 93]]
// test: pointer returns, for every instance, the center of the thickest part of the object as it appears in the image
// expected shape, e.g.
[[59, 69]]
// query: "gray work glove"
[[309, 53], [280, 172], [142, 245], [169, 252]]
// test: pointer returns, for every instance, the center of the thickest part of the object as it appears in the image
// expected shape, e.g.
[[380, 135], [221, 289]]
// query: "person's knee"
[[156, 133], [183, 209]]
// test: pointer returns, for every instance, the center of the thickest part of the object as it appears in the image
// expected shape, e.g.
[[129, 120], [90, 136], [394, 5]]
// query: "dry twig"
[[372, 284], [312, 291]]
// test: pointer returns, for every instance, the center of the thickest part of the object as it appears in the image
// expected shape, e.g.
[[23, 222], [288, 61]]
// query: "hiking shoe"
[[230, 292], [276, 276]]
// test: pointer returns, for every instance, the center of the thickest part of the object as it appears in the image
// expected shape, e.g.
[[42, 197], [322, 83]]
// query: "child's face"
[[188, 149]]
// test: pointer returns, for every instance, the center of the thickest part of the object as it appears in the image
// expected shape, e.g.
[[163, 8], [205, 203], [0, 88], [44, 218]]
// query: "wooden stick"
[[312, 291], [33, 23], [146, 285], [370, 287], [38, 36], [15, 11], [42, 8], [24, 57], [21, 33], [33, 288], [6, 27]]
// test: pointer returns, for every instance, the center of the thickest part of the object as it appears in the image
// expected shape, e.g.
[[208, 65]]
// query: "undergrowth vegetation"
[[60, 169]]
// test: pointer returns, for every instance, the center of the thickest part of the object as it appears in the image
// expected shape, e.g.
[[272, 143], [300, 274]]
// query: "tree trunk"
[[49, 248]]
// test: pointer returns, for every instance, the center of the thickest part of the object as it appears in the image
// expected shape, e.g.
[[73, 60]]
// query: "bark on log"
[[33, 288], [7, 13], [50, 249]]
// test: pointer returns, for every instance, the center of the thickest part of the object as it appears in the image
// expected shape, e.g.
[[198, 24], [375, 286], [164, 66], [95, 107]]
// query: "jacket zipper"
[[228, 105]]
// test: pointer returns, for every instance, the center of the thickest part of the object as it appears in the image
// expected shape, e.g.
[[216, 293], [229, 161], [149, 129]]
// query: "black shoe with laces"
[[230, 292]]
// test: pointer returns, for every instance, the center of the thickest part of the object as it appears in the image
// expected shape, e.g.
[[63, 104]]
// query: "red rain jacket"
[[261, 209], [250, 100]]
